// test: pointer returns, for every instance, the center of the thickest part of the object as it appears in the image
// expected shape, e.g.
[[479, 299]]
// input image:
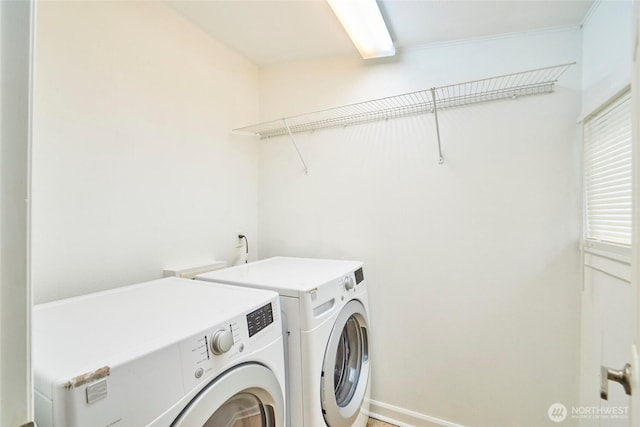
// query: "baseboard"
[[404, 417]]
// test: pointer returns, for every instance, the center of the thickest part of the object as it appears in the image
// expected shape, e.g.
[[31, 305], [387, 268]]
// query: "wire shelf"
[[514, 85]]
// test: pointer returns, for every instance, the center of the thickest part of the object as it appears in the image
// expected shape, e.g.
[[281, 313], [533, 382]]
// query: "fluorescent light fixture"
[[363, 22]]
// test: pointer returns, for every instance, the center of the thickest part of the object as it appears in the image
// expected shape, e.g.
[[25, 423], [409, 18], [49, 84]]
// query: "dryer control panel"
[[319, 303]]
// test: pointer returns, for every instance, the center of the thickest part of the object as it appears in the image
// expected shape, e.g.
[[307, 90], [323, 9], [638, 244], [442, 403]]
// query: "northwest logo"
[[557, 412]]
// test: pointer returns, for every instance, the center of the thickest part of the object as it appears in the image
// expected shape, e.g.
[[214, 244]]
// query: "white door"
[[611, 313], [16, 28], [607, 337], [635, 273]]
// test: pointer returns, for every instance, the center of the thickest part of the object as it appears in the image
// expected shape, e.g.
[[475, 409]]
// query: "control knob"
[[348, 283], [221, 341]]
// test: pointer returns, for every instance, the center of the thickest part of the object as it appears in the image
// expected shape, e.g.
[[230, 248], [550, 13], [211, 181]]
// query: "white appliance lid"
[[114, 326], [286, 275]]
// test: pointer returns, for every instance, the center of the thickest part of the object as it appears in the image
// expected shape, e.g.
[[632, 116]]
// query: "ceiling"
[[275, 31]]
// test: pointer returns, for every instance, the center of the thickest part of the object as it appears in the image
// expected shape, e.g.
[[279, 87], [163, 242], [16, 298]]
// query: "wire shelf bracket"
[[531, 82], [435, 115], [293, 141]]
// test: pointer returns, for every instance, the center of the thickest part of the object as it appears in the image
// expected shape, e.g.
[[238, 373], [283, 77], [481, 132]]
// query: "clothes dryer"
[[327, 316], [170, 352]]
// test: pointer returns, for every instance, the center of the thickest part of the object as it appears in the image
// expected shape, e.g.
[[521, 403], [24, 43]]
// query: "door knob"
[[622, 376]]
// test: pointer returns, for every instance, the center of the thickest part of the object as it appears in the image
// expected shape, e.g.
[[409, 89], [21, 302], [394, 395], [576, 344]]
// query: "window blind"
[[608, 173]]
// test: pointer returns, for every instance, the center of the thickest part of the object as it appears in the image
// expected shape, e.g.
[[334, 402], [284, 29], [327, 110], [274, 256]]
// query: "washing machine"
[[171, 352], [325, 303]]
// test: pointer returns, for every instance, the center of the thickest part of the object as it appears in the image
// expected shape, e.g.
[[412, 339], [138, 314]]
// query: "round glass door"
[[345, 373], [242, 410], [246, 396]]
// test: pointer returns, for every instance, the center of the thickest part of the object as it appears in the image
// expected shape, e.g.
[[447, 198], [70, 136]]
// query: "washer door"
[[246, 396], [345, 370]]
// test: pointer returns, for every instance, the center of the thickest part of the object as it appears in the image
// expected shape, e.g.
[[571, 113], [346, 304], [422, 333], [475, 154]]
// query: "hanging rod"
[[514, 85]]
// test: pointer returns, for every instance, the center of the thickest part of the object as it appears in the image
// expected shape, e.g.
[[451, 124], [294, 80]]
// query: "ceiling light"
[[363, 22]]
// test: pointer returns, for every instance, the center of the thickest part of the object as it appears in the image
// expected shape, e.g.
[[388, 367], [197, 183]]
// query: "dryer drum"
[[348, 362], [347, 356]]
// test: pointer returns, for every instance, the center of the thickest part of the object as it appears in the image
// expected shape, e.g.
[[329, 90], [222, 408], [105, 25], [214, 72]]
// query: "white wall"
[[134, 167], [606, 52], [16, 393], [473, 266]]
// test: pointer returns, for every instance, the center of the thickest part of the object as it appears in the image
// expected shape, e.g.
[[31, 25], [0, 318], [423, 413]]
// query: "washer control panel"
[[221, 341], [205, 354], [259, 319]]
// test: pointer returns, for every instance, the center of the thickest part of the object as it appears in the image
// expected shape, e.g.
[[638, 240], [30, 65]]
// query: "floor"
[[378, 423]]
